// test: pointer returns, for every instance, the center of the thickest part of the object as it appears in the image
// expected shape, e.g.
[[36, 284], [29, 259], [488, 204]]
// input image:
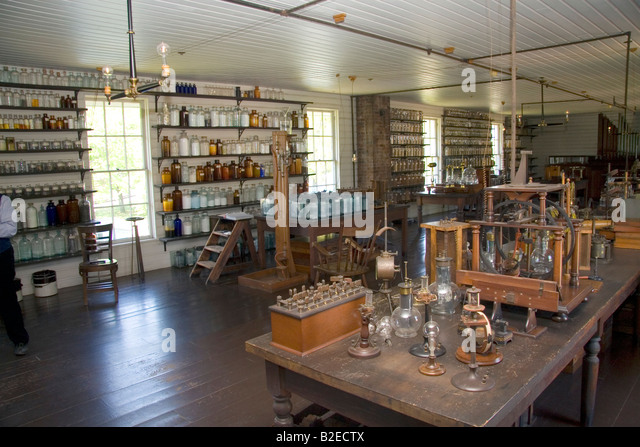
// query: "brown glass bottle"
[[165, 147], [176, 172], [217, 170], [199, 174], [236, 197], [220, 147], [306, 121], [177, 199], [225, 171], [73, 210], [294, 119], [208, 172], [233, 170], [61, 213], [253, 119], [248, 167], [52, 122]]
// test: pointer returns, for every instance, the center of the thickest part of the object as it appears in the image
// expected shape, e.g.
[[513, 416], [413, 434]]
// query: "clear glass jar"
[[59, 244], [195, 146], [183, 145]]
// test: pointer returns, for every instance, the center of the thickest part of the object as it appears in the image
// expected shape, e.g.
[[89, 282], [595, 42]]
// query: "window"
[[322, 142], [118, 158], [432, 154]]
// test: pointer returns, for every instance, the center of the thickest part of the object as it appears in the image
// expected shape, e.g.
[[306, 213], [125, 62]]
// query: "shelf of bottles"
[[407, 155], [57, 224], [466, 139]]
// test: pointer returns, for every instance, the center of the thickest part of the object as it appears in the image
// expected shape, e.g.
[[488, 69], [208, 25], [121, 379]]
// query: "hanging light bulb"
[[163, 51], [107, 72], [566, 116]]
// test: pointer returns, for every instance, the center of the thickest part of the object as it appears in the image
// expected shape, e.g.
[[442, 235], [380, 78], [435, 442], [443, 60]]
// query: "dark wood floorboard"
[[104, 365]]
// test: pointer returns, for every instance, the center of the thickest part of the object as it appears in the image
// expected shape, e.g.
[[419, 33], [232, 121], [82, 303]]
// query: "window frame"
[[335, 161], [145, 157]]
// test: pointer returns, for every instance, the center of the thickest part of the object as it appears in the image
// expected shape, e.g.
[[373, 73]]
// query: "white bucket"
[[44, 283]]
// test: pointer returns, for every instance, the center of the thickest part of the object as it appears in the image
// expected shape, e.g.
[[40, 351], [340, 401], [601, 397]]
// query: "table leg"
[[281, 396], [589, 381], [261, 245]]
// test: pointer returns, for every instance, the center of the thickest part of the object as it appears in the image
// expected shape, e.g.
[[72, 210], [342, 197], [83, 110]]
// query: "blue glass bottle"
[[52, 214], [177, 225]]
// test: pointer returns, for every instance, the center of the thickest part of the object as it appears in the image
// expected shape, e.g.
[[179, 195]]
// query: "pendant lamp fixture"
[[133, 89]]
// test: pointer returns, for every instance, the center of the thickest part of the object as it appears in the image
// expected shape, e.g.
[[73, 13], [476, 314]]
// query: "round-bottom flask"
[[406, 319]]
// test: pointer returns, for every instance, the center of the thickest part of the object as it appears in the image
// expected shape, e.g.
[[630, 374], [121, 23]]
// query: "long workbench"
[[390, 391]]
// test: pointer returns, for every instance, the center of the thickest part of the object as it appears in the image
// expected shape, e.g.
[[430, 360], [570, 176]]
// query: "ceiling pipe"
[[470, 61]]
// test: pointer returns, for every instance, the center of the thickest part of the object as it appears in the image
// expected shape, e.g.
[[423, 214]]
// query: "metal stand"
[[470, 380], [363, 348], [135, 240]]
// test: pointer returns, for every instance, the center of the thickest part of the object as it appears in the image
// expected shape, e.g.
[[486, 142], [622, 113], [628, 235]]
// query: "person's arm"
[[8, 227]]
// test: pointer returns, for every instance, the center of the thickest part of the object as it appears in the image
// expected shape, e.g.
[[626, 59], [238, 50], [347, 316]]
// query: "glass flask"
[[469, 176], [488, 263], [542, 256], [59, 244], [446, 291], [406, 319], [37, 247]]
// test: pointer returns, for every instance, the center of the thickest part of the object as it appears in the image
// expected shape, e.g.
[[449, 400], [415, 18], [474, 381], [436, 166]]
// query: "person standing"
[[10, 310]]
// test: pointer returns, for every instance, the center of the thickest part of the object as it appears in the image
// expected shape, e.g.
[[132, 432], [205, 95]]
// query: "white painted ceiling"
[[394, 47]]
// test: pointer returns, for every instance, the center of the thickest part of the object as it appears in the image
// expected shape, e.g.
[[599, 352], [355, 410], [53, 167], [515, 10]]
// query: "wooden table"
[[390, 391], [316, 229], [458, 199]]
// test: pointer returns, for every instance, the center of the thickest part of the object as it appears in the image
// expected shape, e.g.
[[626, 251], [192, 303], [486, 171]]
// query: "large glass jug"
[[446, 291]]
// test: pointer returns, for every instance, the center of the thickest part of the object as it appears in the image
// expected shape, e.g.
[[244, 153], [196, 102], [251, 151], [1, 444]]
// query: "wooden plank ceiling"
[[394, 47]]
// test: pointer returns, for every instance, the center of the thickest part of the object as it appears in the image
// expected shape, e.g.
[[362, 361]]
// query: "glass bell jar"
[[446, 291], [406, 320]]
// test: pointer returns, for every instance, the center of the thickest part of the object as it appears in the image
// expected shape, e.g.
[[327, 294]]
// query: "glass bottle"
[[236, 197], [406, 319], [184, 117], [52, 215], [177, 226], [176, 172], [168, 226], [24, 247], [186, 200], [200, 176], [166, 176], [225, 172], [165, 146], [213, 147], [59, 244], [84, 207], [187, 227], [195, 146], [248, 167], [195, 224], [176, 195], [208, 172], [294, 119], [217, 170], [444, 289], [205, 224], [174, 115], [61, 213], [542, 256], [183, 144], [204, 146], [489, 253], [175, 147], [32, 216], [73, 210], [37, 247], [167, 202], [306, 121], [42, 216], [195, 199], [73, 242], [229, 194]]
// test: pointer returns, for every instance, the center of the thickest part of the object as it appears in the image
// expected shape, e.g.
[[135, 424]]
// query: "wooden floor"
[[105, 365]]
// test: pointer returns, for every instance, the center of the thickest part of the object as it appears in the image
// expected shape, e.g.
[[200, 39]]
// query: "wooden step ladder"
[[240, 228]]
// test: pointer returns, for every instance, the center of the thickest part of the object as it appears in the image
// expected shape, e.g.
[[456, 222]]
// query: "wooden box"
[[441, 236], [304, 333]]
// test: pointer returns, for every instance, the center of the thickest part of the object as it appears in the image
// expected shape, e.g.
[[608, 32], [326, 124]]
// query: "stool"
[[135, 239]]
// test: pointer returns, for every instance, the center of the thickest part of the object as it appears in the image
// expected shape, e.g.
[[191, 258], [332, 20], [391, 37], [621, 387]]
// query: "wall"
[[154, 256]]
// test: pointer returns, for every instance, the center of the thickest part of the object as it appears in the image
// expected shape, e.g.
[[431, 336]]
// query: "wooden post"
[[475, 255], [557, 257]]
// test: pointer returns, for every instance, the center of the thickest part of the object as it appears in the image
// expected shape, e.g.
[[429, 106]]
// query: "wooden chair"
[[96, 242], [351, 259]]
